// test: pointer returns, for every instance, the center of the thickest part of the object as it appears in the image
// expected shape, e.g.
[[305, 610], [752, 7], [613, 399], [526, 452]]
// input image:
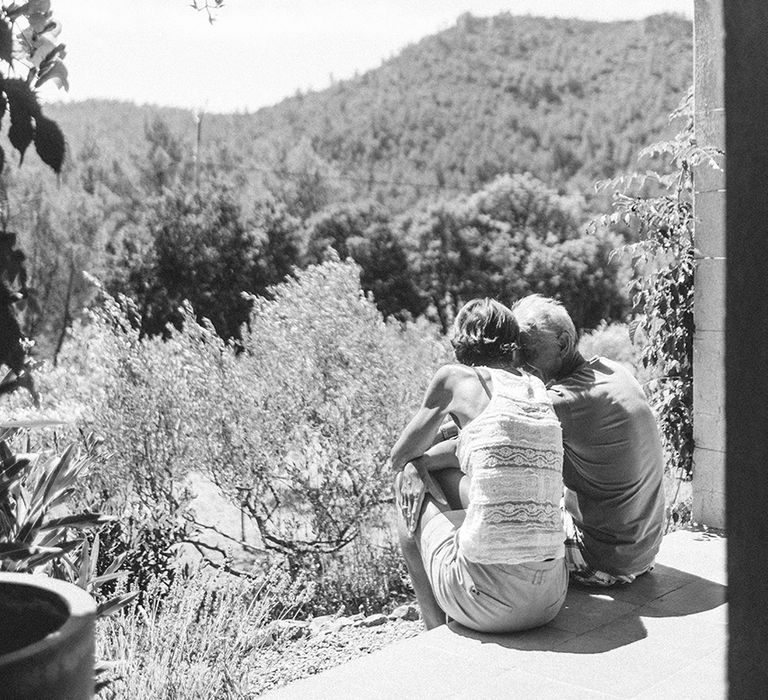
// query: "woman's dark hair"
[[484, 331]]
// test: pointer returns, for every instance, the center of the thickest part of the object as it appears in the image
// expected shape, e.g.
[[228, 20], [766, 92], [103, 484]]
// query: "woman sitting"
[[479, 516]]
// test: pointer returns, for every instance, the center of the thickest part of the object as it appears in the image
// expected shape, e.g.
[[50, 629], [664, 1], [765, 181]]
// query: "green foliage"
[[612, 340], [196, 247], [37, 48], [167, 163], [364, 577], [662, 289], [570, 101], [147, 550], [329, 386], [303, 180], [300, 415], [364, 232], [28, 39], [513, 237], [38, 533], [489, 96], [448, 115]]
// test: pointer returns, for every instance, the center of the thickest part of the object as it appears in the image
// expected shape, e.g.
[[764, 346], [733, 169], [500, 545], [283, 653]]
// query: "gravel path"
[[309, 655]]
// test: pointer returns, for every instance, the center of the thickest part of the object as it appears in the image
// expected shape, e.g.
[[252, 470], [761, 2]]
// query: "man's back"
[[613, 461]]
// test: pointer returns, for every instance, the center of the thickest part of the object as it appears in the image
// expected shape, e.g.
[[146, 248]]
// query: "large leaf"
[[6, 41], [24, 108], [56, 71], [49, 143], [38, 7]]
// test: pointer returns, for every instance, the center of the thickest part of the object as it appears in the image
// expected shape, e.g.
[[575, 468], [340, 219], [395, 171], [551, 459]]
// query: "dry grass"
[[203, 640]]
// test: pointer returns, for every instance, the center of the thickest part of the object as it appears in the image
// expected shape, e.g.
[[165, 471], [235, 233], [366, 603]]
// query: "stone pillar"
[[709, 295], [746, 359]]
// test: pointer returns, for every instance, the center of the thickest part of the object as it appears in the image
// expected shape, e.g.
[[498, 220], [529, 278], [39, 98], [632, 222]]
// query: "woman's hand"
[[409, 494], [414, 483]]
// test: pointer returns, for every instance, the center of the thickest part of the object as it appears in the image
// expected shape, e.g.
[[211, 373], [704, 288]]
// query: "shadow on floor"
[[596, 620]]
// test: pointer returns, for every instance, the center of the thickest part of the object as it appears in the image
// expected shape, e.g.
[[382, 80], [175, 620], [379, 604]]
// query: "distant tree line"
[[462, 167]]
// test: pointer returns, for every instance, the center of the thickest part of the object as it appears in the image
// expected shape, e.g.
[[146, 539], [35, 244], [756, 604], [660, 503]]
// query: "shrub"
[[363, 577], [612, 341], [316, 402], [513, 237], [301, 415]]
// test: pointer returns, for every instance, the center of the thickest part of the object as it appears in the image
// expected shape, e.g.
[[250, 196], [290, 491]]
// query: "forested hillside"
[[463, 166], [569, 101]]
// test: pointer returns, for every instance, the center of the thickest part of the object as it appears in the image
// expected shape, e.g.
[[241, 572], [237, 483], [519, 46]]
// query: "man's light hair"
[[536, 312]]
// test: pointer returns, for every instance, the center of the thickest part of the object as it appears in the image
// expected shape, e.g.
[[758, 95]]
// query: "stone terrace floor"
[[664, 636]]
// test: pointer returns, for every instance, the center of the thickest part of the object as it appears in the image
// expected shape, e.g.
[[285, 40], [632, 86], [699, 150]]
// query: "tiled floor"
[[665, 636]]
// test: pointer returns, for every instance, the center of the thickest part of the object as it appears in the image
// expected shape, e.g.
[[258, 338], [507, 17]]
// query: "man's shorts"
[[489, 597], [579, 571]]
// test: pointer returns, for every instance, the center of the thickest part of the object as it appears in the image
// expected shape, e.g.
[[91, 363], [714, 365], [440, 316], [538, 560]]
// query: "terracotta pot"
[[46, 639]]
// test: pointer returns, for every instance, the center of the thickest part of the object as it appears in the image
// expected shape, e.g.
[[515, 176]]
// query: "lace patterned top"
[[513, 454]]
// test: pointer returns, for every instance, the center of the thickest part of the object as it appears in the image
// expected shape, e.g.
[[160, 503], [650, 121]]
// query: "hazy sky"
[[260, 51]]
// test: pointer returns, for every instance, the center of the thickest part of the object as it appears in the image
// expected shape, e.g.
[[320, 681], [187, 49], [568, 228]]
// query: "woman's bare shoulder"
[[451, 373]]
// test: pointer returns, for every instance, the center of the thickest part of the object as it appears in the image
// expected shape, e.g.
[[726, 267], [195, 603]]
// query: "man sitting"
[[613, 462]]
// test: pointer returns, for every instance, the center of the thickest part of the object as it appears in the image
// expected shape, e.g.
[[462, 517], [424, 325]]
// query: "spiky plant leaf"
[[79, 521], [10, 473], [15, 551], [113, 605], [85, 566], [58, 472]]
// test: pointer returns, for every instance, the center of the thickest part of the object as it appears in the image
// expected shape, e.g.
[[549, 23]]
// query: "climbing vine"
[[656, 207]]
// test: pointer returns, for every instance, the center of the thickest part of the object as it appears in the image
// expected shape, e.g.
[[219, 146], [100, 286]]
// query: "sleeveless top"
[[513, 455]]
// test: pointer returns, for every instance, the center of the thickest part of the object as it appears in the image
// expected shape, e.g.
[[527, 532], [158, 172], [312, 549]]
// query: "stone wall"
[[709, 300]]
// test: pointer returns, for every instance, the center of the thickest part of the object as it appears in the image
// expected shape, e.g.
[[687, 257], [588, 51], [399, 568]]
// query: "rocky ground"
[[297, 649]]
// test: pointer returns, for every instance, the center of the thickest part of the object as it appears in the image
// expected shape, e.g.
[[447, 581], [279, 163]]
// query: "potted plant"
[[46, 638], [47, 576]]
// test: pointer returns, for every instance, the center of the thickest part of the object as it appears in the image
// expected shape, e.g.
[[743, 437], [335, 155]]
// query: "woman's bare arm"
[[419, 435], [441, 455]]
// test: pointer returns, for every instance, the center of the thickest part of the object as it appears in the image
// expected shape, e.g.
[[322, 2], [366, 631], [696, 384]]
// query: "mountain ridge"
[[571, 101]]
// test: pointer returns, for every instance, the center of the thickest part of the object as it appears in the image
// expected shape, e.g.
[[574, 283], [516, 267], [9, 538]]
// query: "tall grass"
[[203, 639]]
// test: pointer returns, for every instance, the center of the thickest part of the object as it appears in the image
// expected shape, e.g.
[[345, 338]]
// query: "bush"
[[361, 578], [513, 237], [612, 341], [301, 415], [316, 401]]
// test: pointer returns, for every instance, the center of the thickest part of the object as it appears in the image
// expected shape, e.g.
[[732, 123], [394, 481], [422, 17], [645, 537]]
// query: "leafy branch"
[[657, 208]]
